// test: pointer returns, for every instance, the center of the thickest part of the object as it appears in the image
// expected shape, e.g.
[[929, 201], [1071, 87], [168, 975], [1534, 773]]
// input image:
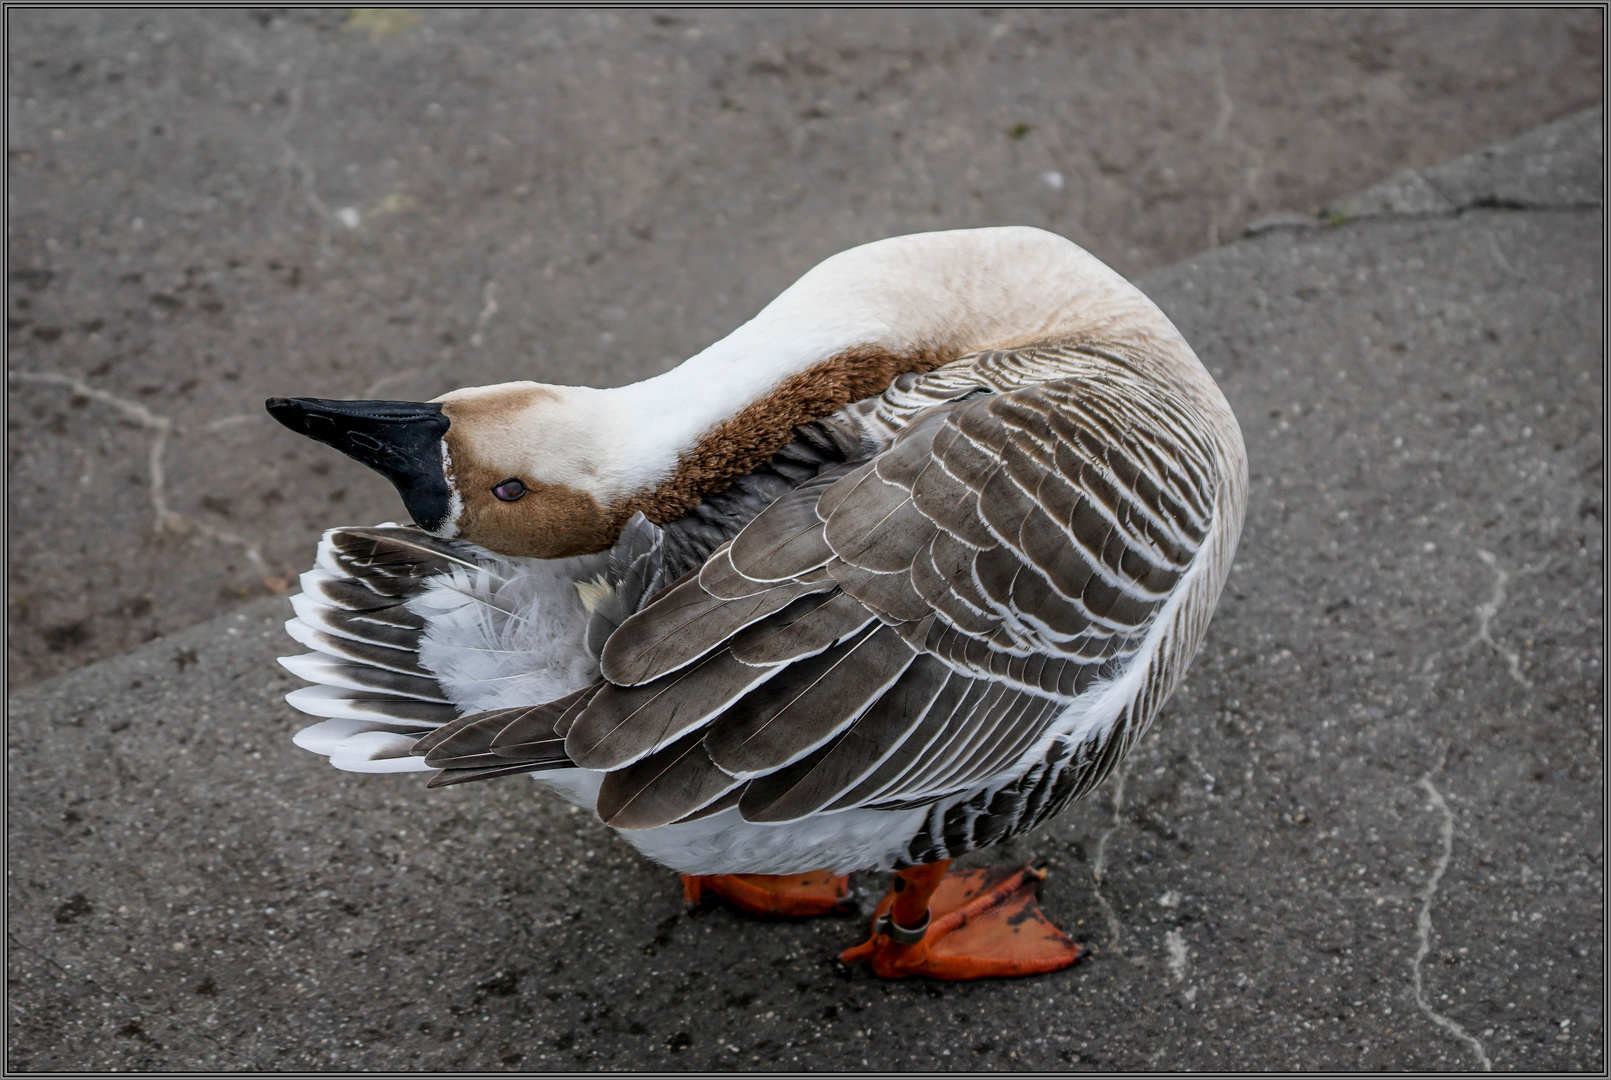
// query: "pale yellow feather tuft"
[[593, 593]]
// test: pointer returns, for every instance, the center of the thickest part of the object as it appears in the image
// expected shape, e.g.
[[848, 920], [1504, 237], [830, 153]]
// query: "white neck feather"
[[953, 292]]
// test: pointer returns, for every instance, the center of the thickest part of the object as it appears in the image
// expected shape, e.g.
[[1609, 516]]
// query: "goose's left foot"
[[975, 924], [787, 895]]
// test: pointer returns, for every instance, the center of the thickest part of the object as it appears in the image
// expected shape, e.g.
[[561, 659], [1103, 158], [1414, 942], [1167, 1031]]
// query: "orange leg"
[[974, 924], [789, 895]]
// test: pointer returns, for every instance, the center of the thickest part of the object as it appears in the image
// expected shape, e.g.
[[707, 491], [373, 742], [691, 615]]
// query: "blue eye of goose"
[[510, 490]]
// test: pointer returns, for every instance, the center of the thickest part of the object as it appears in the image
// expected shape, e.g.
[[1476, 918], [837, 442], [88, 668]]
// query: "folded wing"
[[909, 626]]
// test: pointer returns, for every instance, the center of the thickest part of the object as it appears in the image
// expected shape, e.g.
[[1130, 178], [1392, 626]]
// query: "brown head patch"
[[551, 521]]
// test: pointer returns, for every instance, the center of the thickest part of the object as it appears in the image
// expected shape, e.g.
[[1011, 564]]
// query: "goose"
[[897, 570]]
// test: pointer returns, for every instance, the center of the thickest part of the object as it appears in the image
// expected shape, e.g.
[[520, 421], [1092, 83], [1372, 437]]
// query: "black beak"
[[401, 440]]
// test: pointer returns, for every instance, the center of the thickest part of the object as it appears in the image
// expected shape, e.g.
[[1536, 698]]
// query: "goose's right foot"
[[974, 924]]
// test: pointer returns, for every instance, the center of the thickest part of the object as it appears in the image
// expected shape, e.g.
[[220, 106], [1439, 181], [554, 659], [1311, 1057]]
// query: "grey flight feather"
[[685, 624], [807, 703], [624, 723], [804, 628], [669, 784], [809, 785]]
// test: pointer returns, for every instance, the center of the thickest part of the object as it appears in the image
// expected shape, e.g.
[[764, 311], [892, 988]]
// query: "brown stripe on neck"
[[737, 445]]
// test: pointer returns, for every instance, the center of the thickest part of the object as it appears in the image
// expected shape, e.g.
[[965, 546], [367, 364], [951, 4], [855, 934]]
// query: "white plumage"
[[510, 635]]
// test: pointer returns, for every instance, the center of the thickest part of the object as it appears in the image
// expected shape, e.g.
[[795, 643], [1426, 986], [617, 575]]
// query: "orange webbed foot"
[[982, 924], [787, 895]]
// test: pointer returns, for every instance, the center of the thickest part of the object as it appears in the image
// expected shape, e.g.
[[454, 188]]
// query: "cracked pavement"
[[1359, 837], [208, 208]]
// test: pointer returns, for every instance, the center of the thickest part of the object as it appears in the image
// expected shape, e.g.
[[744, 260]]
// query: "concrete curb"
[[1559, 165]]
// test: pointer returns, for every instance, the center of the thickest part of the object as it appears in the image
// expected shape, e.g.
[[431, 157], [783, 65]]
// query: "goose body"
[[897, 570]]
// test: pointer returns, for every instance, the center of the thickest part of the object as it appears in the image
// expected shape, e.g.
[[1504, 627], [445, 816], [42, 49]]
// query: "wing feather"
[[799, 790], [785, 539], [804, 628], [944, 719], [470, 741], [686, 624], [668, 785], [533, 730], [624, 723], [807, 703]]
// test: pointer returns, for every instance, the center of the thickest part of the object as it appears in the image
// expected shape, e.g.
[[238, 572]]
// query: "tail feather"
[[325, 588], [375, 752], [370, 608], [359, 625], [320, 668], [356, 650], [370, 687], [338, 702]]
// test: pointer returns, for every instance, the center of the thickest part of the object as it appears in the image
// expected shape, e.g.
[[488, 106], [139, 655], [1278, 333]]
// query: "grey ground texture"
[[1366, 833]]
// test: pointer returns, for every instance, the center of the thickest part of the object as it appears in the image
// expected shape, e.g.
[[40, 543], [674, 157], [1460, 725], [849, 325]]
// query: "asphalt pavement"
[[1366, 833], [207, 208]]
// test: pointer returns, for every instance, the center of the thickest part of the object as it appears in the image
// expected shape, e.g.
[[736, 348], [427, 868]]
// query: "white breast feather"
[[499, 644]]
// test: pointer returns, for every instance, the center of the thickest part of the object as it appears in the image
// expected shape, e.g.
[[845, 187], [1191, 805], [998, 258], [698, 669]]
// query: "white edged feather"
[[363, 652], [304, 635], [325, 559], [377, 752], [320, 615], [311, 580], [323, 738], [319, 668], [339, 703]]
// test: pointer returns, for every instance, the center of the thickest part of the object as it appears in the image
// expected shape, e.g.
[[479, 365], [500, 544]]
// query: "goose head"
[[519, 468]]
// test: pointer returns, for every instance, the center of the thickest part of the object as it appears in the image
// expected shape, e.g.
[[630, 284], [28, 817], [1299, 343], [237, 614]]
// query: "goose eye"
[[510, 490]]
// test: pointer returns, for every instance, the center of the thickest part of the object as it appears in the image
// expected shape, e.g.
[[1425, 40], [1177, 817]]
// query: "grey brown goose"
[[895, 571]]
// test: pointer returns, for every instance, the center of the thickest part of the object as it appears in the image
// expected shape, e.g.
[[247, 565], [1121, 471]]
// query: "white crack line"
[[1486, 613], [1221, 133], [1099, 869], [489, 308], [165, 519], [310, 192], [231, 421], [1216, 134], [161, 425], [1485, 617], [1423, 920]]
